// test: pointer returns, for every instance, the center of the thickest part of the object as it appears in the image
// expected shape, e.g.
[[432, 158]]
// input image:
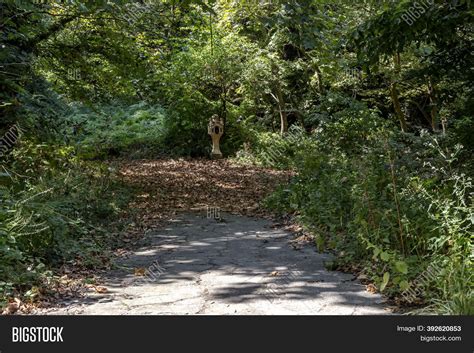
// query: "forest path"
[[208, 249]]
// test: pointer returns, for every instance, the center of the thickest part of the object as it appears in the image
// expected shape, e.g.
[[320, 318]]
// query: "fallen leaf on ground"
[[371, 288], [12, 307], [140, 271], [100, 289]]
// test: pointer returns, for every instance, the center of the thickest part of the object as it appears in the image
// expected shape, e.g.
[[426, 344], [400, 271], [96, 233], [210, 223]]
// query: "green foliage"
[[135, 130], [390, 202], [51, 214], [274, 150], [200, 82], [88, 80]]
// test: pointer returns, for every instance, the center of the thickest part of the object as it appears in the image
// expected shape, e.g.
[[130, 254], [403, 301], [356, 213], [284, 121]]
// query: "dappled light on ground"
[[234, 265]]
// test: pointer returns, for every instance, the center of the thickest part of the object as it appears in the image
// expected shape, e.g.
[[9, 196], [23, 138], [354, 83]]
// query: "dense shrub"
[[274, 150], [392, 203], [117, 130], [51, 213]]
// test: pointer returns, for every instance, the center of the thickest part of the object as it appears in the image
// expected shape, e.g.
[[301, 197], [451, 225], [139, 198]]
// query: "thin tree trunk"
[[434, 105], [280, 99], [281, 109], [394, 95], [224, 104]]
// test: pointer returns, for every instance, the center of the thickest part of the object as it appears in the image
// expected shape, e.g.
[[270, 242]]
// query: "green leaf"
[[404, 285], [385, 256], [401, 267], [376, 253], [385, 279]]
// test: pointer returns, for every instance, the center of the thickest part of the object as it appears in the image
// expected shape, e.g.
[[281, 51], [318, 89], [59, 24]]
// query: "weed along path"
[[209, 248]]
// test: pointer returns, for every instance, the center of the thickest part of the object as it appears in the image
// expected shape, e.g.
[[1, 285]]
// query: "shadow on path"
[[236, 265]]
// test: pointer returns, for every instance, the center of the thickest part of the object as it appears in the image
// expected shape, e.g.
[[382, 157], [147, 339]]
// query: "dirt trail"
[[236, 264]]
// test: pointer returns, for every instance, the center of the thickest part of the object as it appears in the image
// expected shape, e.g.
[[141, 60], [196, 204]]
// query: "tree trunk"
[[224, 105], [281, 109], [397, 107], [434, 105], [280, 99], [394, 95]]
